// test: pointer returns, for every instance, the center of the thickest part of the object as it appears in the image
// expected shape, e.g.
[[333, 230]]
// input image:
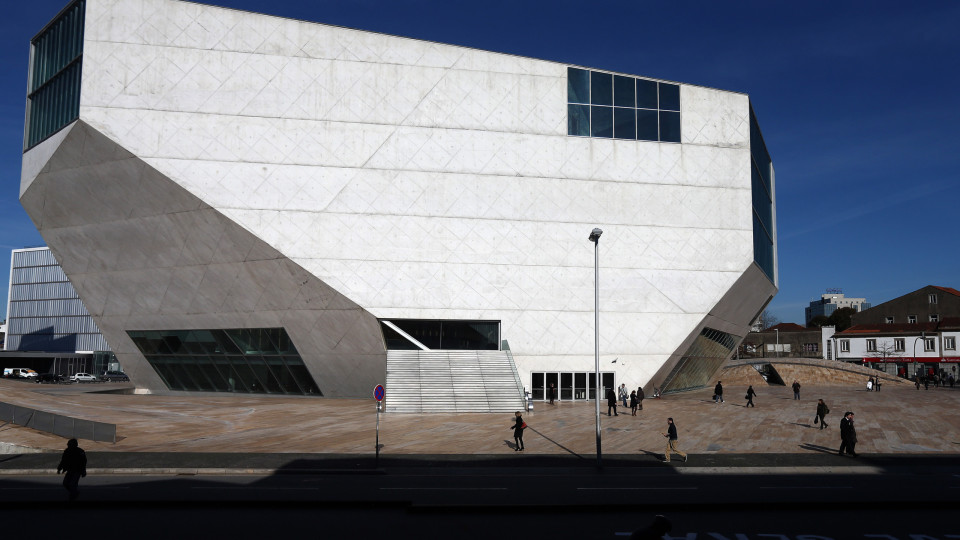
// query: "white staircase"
[[452, 381]]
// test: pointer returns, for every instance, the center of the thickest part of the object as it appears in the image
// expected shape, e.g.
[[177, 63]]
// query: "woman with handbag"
[[822, 411]]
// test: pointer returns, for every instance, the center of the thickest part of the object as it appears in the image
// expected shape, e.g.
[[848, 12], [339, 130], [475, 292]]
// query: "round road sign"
[[378, 392]]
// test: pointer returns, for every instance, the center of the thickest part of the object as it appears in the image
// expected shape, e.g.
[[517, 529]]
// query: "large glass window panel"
[[579, 386], [395, 342], [646, 94], [537, 386], [300, 373], [287, 383], [259, 367], [186, 381], [624, 123], [592, 385], [624, 91], [566, 386], [470, 335], [669, 126], [578, 86], [426, 332], [246, 375], [213, 375], [601, 88], [198, 376], [608, 382], [648, 125], [552, 379], [601, 122], [669, 97], [578, 120]]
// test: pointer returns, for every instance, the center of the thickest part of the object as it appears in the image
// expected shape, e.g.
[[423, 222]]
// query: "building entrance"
[[570, 385]]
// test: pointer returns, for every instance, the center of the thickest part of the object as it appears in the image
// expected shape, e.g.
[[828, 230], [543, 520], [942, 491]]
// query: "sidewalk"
[[896, 422]]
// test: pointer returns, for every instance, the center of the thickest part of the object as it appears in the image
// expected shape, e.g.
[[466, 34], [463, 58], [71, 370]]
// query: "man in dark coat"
[[848, 435], [74, 463], [718, 393], [611, 402], [640, 397], [796, 389]]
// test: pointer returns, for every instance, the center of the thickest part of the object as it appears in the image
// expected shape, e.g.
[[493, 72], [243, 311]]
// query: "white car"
[[83, 377]]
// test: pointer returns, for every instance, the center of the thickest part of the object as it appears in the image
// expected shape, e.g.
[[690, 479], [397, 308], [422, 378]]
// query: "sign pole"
[[378, 395]]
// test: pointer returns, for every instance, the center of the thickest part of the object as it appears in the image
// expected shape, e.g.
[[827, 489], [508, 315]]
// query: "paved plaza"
[[898, 420]]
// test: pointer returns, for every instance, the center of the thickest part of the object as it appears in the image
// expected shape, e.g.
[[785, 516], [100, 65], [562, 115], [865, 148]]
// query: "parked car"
[[114, 376], [83, 377], [19, 373], [53, 378]]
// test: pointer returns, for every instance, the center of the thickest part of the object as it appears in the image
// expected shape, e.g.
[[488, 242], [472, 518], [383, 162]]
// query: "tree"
[[841, 318], [819, 321], [767, 320]]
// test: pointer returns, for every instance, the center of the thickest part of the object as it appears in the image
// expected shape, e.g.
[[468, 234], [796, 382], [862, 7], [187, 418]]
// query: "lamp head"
[[595, 235]]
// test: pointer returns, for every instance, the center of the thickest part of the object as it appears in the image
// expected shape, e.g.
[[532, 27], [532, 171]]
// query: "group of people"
[[873, 384], [635, 398]]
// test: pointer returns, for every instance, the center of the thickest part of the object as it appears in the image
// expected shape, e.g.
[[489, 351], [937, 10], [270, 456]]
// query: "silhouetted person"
[[518, 428], [848, 435], [552, 391], [612, 402], [796, 389], [750, 394], [718, 393], [74, 463], [640, 397], [653, 531], [633, 403]]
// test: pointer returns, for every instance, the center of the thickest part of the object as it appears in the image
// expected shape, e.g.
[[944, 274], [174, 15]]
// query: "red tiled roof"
[[947, 290]]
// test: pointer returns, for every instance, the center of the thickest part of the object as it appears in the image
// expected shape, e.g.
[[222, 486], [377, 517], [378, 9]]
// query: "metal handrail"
[[516, 375]]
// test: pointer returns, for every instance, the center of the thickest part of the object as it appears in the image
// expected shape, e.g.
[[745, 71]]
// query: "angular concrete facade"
[[234, 170]]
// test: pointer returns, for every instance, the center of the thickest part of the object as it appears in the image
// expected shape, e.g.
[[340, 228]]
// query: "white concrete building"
[[832, 301], [248, 203]]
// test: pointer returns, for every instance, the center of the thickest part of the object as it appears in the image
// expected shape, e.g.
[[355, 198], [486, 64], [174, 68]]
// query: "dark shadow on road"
[[818, 448], [801, 425], [657, 455], [510, 445], [556, 443]]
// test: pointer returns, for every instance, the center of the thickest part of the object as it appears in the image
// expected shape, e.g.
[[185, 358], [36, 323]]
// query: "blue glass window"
[[646, 94], [669, 126], [624, 123], [642, 109], [601, 88], [669, 97], [647, 125], [624, 91], [578, 86], [601, 122], [762, 188], [578, 120], [53, 98]]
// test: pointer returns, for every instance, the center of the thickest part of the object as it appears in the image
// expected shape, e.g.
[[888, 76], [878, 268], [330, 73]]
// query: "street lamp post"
[[595, 238], [777, 330], [923, 335]]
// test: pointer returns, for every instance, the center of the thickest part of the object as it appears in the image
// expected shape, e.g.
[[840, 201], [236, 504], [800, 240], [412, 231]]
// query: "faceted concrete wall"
[[144, 254], [422, 180]]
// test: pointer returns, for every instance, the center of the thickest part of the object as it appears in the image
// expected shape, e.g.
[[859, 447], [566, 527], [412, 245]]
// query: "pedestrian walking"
[[553, 393], [876, 383], [718, 393], [611, 402], [640, 397], [749, 396], [796, 389], [671, 436], [74, 463], [848, 435], [633, 403], [622, 394], [822, 412], [518, 427], [869, 384]]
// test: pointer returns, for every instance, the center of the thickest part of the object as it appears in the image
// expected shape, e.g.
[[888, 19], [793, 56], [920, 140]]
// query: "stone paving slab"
[[894, 421]]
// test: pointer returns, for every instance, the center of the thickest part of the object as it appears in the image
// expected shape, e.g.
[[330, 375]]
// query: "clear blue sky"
[[857, 102]]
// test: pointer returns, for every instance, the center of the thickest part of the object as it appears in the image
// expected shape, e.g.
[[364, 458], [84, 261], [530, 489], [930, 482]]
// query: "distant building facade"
[[44, 312], [830, 302], [916, 332], [789, 340], [928, 304]]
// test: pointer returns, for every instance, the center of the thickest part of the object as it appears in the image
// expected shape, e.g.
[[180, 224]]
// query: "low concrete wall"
[[808, 371], [64, 426]]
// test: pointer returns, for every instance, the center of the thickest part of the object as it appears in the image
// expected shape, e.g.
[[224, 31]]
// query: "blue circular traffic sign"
[[378, 392]]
